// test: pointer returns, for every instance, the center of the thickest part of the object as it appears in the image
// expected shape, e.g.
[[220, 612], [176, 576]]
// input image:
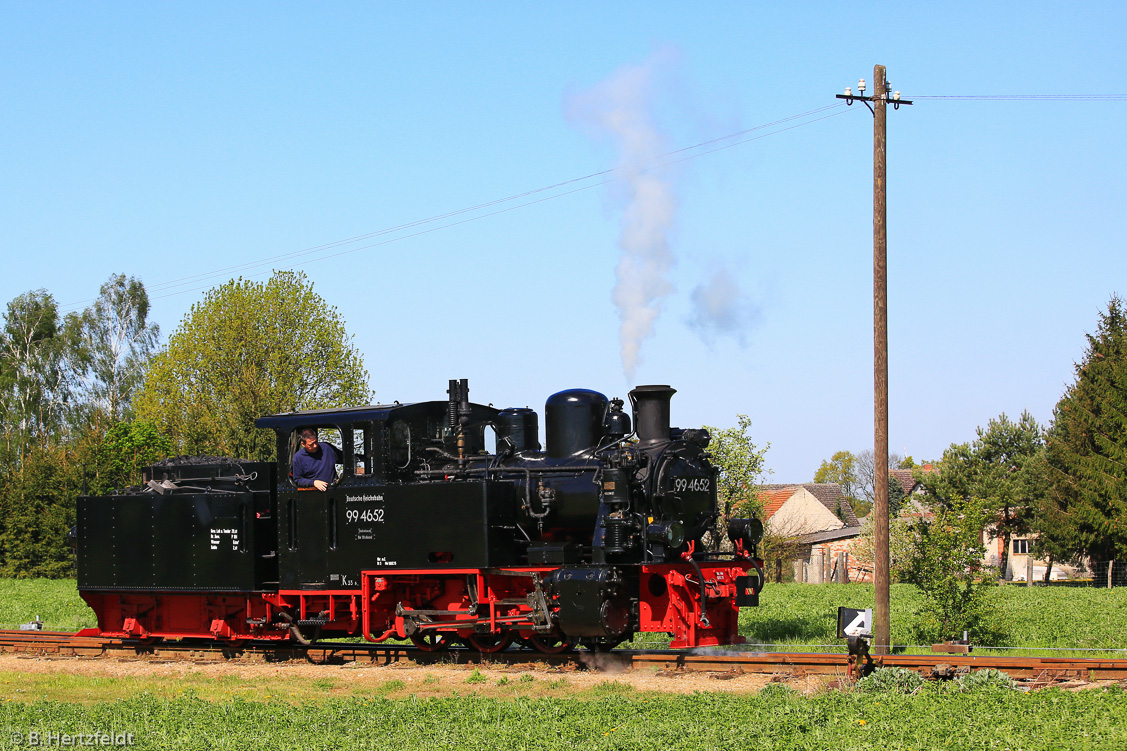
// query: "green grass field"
[[55, 601], [1051, 719]]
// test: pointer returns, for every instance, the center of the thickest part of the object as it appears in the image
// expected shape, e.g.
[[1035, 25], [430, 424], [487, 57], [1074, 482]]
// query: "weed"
[[527, 678], [476, 677], [431, 679], [989, 678], [388, 687], [324, 684], [504, 681], [612, 687], [777, 691], [891, 680]]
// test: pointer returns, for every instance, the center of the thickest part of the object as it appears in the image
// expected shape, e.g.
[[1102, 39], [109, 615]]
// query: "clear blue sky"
[[167, 140]]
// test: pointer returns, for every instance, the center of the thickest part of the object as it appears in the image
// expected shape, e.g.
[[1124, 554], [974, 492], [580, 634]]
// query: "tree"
[[899, 545], [1000, 473], [896, 497], [1086, 448], [866, 472], [944, 562], [111, 342], [37, 508], [842, 469], [250, 349], [34, 379], [740, 463], [122, 452]]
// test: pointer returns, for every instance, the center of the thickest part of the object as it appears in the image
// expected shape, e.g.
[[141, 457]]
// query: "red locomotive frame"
[[668, 602]]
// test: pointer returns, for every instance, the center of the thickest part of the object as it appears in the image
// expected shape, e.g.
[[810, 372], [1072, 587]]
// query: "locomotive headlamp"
[[669, 534], [748, 530]]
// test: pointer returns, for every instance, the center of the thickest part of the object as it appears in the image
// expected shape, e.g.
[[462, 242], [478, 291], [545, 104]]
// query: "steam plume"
[[720, 309], [621, 108]]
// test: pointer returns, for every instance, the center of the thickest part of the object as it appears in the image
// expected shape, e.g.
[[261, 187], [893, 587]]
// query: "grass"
[[1039, 617], [779, 720], [55, 601]]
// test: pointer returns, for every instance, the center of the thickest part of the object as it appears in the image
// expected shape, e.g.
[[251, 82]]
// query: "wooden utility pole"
[[881, 611]]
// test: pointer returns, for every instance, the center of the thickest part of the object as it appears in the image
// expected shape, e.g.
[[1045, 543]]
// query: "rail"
[[796, 664]]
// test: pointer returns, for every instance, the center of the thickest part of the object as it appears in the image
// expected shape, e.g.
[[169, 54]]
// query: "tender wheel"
[[489, 643], [549, 645], [432, 641]]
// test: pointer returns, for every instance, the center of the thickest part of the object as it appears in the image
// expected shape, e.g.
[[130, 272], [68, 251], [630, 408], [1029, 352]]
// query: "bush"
[[946, 566]]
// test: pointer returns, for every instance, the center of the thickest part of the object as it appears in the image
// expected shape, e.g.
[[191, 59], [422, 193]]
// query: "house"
[[826, 494], [913, 490], [818, 518], [1021, 563]]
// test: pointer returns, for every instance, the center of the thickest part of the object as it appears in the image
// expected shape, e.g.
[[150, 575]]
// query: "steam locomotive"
[[447, 523]]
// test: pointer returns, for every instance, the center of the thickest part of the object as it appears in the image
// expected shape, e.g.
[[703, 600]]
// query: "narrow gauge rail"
[[58, 644]]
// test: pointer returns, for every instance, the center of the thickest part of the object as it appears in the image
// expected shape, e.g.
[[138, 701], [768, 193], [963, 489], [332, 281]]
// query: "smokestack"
[[651, 412]]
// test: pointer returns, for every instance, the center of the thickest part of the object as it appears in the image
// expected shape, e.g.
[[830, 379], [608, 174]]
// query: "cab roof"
[[287, 421]]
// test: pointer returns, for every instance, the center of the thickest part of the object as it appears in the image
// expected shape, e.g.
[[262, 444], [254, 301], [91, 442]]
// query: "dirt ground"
[[529, 679], [95, 679]]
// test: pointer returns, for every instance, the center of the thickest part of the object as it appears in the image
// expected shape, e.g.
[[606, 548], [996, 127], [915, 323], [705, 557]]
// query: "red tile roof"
[[773, 500], [904, 477], [828, 493]]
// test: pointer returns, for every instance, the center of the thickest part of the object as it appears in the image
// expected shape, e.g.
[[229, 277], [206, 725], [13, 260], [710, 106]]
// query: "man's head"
[[308, 439]]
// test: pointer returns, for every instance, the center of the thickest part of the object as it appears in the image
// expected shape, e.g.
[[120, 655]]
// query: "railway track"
[[1041, 669]]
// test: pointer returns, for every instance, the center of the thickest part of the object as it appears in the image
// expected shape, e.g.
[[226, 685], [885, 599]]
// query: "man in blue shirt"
[[314, 464]]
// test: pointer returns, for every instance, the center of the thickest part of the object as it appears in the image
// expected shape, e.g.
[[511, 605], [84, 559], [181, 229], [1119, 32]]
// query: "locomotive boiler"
[[448, 523]]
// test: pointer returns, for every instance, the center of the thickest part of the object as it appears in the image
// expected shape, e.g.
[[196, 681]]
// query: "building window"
[[1021, 547]]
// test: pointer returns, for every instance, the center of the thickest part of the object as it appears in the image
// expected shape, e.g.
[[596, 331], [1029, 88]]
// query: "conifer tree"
[[1087, 447]]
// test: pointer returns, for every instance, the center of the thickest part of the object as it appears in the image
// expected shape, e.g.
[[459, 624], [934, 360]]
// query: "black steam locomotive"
[[428, 535]]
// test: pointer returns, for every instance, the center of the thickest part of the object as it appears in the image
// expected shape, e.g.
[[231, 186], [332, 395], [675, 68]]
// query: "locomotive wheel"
[[489, 643], [549, 645], [432, 641]]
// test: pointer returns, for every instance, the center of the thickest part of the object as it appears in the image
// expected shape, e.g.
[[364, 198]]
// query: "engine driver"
[[314, 464]]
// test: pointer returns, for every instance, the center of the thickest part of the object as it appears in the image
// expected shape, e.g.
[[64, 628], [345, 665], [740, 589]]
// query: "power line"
[[1027, 97], [188, 283], [518, 206]]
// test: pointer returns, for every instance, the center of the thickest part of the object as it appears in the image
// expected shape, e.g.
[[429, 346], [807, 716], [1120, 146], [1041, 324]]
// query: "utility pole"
[[881, 611]]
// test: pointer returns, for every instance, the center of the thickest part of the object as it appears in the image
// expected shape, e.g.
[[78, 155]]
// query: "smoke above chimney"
[[719, 308], [621, 109]]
